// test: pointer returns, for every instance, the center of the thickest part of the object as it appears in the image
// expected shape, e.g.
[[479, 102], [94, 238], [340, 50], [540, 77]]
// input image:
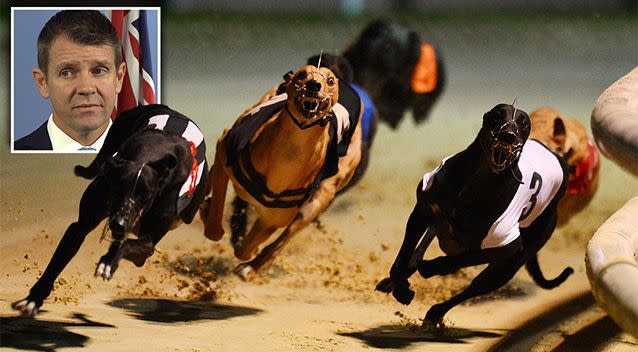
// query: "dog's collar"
[[582, 174]]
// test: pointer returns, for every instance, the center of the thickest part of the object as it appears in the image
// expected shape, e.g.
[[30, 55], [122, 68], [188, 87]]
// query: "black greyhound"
[[399, 69], [493, 203], [148, 177]]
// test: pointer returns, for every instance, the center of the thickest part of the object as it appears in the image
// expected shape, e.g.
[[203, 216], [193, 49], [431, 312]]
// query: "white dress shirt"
[[61, 142]]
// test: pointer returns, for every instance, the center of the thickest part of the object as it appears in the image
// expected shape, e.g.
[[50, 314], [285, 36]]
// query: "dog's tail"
[[535, 272]]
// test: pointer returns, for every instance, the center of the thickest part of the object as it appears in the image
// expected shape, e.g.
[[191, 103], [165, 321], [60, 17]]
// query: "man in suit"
[[80, 70]]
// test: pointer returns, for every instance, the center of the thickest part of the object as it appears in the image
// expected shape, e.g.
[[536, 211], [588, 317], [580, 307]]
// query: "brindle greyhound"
[[148, 177], [493, 203], [286, 165]]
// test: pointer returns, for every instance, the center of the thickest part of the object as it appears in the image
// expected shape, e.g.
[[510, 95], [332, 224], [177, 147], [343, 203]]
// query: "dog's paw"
[[403, 295], [27, 307], [214, 233], [435, 314], [385, 285], [105, 271], [244, 271]]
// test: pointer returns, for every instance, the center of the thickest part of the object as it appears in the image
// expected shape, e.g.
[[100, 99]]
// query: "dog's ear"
[[164, 165], [559, 133], [288, 76]]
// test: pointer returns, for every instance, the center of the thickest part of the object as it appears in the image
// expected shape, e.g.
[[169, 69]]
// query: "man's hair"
[[86, 27]]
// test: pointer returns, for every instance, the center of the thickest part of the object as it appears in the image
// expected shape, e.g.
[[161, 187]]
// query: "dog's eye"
[[330, 81], [301, 75]]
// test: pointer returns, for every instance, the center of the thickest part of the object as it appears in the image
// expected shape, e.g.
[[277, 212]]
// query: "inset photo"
[[73, 71]]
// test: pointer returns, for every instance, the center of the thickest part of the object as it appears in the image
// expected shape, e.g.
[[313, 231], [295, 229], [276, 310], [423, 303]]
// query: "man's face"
[[82, 82]]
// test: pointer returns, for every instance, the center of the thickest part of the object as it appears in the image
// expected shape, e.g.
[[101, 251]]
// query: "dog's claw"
[[244, 271], [26, 307]]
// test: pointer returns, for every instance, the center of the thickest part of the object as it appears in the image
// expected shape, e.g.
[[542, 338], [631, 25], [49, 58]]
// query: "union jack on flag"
[[139, 84]]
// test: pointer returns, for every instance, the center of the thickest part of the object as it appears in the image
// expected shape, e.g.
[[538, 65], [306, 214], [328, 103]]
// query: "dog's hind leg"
[[490, 279], [238, 221], [259, 233], [213, 209], [449, 264], [93, 208]]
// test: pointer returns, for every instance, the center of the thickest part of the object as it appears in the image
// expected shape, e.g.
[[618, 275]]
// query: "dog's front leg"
[[308, 212], [104, 269], [404, 265], [212, 209], [93, 208]]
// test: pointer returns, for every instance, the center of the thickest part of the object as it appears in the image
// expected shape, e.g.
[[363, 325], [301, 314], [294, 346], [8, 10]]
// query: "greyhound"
[[493, 203], [148, 177], [287, 157]]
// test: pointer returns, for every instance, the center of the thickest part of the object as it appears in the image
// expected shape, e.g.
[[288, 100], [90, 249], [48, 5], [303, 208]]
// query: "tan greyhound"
[[568, 138], [281, 166]]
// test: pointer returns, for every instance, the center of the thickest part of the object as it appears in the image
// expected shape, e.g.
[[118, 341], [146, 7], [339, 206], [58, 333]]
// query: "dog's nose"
[[313, 85], [508, 137]]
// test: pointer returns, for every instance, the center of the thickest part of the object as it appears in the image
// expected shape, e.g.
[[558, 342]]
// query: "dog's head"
[[397, 69], [134, 187], [338, 64], [312, 92], [568, 139], [503, 134]]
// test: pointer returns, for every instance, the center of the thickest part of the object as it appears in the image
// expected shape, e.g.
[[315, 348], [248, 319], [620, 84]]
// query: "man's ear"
[[40, 81], [120, 77]]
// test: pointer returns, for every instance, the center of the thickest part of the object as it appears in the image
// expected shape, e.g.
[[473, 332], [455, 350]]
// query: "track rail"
[[578, 324]]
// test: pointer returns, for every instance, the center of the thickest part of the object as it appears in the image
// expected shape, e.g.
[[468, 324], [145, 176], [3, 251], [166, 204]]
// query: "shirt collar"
[[61, 142]]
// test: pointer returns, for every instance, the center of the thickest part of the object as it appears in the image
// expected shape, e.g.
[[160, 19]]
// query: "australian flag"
[[139, 84]]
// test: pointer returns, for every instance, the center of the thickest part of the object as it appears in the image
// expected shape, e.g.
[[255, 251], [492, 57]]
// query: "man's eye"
[[100, 71], [66, 73]]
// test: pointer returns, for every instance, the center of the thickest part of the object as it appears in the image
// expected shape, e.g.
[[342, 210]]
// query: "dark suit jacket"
[[36, 140]]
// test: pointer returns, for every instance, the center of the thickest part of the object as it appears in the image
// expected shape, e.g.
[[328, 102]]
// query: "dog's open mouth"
[[500, 154], [503, 154], [312, 104]]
